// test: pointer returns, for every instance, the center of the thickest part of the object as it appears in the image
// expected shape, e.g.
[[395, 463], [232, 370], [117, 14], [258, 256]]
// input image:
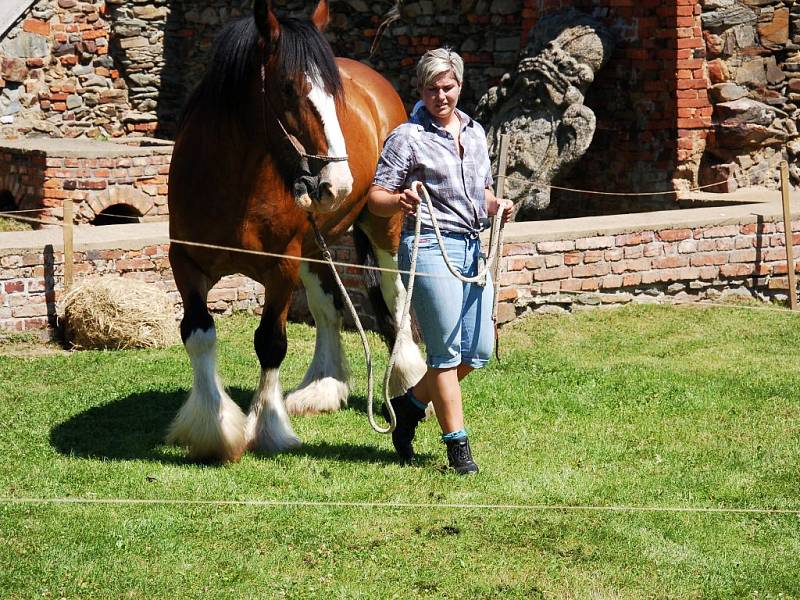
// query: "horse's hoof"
[[209, 436], [320, 396], [272, 433]]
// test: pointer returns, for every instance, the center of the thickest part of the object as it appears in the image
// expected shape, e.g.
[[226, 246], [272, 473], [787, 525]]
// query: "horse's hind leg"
[[325, 386], [268, 426], [209, 423], [387, 295]]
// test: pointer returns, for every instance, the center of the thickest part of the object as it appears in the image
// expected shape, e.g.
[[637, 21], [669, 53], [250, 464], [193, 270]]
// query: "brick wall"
[[100, 68], [96, 176], [696, 255]]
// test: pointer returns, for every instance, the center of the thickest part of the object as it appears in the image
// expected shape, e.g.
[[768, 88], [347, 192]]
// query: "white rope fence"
[[333, 504]]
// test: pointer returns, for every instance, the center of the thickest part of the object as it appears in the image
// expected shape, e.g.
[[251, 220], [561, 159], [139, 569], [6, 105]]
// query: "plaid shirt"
[[421, 150]]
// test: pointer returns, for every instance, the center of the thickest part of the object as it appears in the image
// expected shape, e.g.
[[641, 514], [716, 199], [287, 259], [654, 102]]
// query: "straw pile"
[[116, 313]]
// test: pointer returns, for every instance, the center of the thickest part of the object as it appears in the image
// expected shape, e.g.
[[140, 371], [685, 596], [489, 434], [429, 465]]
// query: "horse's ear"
[[266, 21], [321, 16]]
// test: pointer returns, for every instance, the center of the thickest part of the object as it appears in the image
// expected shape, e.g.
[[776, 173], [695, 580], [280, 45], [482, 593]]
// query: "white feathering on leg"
[[409, 366], [325, 385], [268, 427], [209, 423]]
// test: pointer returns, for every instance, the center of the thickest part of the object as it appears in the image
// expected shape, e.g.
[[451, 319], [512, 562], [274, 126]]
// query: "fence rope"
[[320, 504], [346, 265], [635, 194]]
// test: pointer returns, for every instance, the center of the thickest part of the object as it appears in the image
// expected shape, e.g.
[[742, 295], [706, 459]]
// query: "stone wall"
[[696, 255], [753, 52], [97, 176], [667, 105]]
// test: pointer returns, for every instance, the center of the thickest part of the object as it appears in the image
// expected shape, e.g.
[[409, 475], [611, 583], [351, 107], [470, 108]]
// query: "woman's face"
[[440, 96]]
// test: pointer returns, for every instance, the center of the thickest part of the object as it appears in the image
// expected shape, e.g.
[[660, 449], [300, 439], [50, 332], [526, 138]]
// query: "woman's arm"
[[383, 203]]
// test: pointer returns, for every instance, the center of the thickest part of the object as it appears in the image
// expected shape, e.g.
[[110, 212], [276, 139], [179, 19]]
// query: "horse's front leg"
[[268, 427], [325, 386], [209, 423]]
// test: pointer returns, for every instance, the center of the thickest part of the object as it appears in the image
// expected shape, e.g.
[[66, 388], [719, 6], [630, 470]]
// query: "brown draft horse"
[[278, 130]]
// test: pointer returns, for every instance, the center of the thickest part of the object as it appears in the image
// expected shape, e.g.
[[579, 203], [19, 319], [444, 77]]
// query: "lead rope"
[[495, 243]]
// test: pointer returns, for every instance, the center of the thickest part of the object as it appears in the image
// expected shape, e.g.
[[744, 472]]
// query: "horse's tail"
[[385, 320]]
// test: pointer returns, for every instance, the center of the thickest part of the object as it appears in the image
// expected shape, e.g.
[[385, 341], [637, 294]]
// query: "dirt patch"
[[24, 345]]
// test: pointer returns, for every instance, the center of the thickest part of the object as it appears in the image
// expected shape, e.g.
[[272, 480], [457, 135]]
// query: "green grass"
[[645, 407]]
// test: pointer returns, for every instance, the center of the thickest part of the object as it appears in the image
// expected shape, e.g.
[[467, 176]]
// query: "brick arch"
[[126, 195]]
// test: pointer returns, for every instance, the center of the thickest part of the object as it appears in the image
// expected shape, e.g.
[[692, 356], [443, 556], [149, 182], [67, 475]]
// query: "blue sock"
[[454, 435], [414, 401]]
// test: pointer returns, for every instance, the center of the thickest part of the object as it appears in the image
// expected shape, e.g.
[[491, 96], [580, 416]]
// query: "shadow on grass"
[[134, 428]]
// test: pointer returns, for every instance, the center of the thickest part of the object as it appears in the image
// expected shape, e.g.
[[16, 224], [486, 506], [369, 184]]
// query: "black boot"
[[459, 456], [408, 417]]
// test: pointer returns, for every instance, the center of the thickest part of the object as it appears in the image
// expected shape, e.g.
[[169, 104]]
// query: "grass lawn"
[[642, 407]]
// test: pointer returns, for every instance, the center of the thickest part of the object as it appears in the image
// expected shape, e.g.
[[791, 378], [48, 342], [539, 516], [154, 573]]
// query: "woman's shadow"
[[134, 428]]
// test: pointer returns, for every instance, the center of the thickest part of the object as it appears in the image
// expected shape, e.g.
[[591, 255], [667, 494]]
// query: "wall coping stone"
[[88, 237], [81, 148], [10, 11], [583, 227]]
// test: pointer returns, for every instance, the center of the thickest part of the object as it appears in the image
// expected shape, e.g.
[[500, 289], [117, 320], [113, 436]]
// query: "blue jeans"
[[455, 318]]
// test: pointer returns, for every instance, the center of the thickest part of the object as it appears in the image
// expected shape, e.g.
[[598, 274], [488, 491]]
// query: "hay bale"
[[117, 313]]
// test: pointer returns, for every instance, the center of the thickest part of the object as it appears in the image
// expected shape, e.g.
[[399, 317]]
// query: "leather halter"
[[296, 145]]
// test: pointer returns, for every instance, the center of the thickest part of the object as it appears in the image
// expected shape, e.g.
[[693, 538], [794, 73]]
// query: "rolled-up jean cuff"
[[475, 363], [443, 362]]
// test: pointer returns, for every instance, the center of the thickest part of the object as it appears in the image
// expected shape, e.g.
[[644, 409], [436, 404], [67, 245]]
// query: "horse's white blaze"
[[209, 423], [325, 385], [268, 427], [409, 366], [336, 174]]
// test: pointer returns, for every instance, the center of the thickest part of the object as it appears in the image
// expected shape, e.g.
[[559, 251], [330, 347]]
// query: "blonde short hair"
[[435, 62]]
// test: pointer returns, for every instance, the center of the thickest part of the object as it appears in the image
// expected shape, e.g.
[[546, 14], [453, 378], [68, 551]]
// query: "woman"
[[446, 150]]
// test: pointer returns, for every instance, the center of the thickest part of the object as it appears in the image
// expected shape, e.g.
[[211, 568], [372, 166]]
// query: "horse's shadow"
[[134, 428]]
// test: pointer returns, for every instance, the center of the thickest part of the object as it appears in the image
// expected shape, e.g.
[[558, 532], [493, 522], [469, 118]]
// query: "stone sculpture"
[[541, 106]]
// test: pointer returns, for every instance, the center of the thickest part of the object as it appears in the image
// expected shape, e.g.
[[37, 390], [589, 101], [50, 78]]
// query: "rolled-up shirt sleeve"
[[395, 161]]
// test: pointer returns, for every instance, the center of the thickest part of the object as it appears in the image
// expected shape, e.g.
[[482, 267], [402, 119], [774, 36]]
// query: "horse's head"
[[302, 88]]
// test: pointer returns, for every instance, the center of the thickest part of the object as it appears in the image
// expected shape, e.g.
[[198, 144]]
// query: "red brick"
[[671, 262], [591, 270], [710, 258], [736, 270], [36, 26], [674, 235], [554, 273], [631, 279]]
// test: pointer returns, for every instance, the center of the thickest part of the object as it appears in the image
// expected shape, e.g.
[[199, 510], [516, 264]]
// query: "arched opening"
[[7, 201], [117, 214]]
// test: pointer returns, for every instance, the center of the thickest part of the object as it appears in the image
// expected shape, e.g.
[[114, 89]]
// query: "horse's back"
[[371, 91]]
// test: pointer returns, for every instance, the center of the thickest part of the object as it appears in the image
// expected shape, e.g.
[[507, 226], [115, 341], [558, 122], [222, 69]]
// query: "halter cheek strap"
[[298, 147]]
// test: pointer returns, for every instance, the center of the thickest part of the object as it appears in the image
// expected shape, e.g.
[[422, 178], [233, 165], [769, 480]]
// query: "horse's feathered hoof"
[[323, 395], [271, 433], [209, 436]]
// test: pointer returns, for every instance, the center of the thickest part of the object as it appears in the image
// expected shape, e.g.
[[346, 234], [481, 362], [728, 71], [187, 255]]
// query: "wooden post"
[[68, 245], [501, 166], [500, 188], [788, 237]]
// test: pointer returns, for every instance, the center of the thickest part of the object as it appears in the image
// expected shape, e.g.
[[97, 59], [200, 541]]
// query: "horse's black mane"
[[238, 55]]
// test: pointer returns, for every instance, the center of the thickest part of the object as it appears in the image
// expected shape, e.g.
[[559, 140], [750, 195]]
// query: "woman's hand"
[[383, 203], [502, 205], [408, 201]]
